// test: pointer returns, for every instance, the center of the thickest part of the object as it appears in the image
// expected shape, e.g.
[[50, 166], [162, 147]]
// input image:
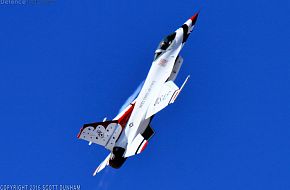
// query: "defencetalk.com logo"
[[26, 2]]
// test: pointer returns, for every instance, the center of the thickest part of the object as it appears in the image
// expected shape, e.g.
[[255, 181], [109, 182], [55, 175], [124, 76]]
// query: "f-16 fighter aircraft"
[[129, 132]]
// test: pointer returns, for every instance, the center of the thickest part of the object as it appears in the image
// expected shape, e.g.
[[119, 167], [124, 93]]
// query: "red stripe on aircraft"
[[125, 117], [144, 146]]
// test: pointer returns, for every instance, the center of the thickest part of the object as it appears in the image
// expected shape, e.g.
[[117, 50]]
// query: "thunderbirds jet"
[[129, 132]]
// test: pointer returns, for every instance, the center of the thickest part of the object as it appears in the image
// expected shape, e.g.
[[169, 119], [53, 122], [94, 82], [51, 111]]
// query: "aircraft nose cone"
[[194, 18], [188, 26]]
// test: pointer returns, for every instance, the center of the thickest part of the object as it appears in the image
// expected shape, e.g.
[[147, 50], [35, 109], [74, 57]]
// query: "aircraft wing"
[[167, 95], [102, 133]]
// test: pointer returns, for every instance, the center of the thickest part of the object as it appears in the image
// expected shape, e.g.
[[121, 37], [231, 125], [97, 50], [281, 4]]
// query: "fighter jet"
[[130, 131]]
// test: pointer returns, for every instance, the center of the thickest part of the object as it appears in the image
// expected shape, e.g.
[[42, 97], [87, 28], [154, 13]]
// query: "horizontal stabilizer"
[[102, 133], [102, 165]]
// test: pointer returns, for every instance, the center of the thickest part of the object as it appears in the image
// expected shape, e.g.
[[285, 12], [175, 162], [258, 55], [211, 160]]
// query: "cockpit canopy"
[[164, 44]]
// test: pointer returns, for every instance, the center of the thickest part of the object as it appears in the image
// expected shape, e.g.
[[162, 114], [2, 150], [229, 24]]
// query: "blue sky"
[[74, 62]]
